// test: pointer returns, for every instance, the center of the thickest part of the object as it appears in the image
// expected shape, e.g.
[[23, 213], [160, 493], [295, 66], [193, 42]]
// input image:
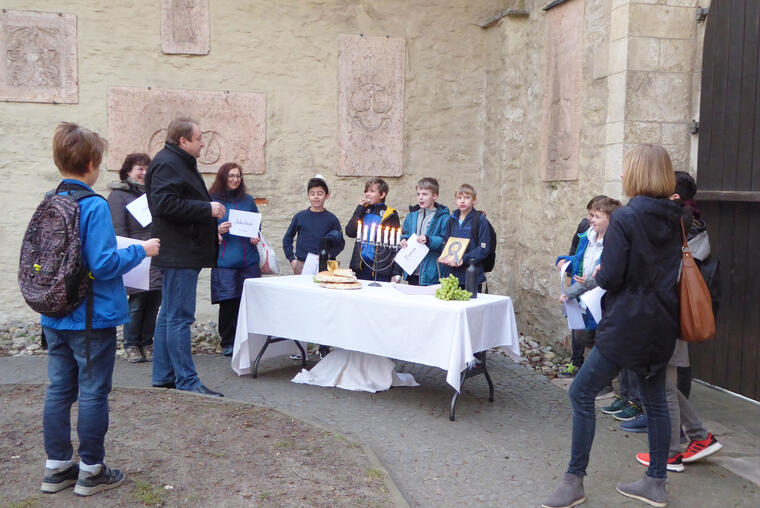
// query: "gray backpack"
[[52, 275]]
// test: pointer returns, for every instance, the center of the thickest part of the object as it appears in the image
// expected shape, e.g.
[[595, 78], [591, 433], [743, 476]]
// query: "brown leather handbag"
[[697, 319]]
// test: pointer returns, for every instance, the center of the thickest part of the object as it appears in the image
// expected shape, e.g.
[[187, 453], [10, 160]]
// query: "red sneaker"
[[675, 463], [700, 449]]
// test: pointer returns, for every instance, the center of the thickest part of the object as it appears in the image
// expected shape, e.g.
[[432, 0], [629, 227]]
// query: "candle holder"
[[384, 254]]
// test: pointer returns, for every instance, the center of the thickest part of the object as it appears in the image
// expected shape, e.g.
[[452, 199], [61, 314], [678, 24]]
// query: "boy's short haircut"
[[74, 147], [428, 183], [180, 127], [686, 186], [317, 182], [594, 200], [466, 188], [382, 186], [606, 205]]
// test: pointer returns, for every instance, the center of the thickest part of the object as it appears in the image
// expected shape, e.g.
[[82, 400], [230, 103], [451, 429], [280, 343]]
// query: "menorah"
[[386, 242]]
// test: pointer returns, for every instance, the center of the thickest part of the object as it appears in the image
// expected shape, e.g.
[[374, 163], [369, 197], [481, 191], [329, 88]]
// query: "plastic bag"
[[267, 257]]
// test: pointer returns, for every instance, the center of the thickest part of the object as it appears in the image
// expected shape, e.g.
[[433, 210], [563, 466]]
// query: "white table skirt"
[[375, 320]]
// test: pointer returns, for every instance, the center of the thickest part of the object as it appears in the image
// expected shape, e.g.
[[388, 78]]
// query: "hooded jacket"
[[435, 235], [388, 217], [181, 210], [639, 270]]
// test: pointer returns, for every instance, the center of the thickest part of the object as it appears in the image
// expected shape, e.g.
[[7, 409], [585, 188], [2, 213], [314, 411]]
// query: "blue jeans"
[[143, 308], [596, 373], [69, 380], [172, 352]]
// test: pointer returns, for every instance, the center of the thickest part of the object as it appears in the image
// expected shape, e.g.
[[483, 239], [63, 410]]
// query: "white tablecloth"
[[375, 320]]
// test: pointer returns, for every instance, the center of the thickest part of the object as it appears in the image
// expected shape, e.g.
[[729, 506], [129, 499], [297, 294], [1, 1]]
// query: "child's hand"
[[596, 270], [224, 227], [403, 243], [255, 241], [293, 264], [364, 202], [396, 278], [422, 239], [563, 298], [151, 247], [561, 263], [579, 279]]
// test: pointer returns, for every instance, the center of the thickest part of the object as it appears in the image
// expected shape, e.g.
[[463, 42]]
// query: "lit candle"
[[372, 233], [393, 237], [359, 230], [385, 234], [366, 233], [398, 236]]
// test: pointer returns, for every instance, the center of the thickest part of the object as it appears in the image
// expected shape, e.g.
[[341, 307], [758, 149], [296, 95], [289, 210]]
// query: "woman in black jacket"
[[639, 269], [143, 305]]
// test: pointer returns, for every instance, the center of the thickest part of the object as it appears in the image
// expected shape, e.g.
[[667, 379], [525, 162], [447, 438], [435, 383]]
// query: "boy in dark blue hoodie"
[[461, 226]]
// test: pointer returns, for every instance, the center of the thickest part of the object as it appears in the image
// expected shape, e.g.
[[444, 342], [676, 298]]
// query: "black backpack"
[[490, 261], [52, 275]]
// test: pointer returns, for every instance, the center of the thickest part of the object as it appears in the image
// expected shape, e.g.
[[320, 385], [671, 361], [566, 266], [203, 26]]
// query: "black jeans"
[[143, 310], [228, 316]]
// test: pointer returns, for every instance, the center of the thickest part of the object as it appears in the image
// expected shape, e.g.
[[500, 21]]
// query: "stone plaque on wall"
[[233, 125], [185, 27], [563, 77], [38, 57], [370, 105]]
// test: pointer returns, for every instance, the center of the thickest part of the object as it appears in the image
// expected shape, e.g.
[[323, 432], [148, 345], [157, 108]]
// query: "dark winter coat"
[[389, 217], [639, 269], [181, 209], [476, 250], [124, 224]]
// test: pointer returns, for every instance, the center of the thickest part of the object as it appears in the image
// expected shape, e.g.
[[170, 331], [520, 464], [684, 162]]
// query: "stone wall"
[[289, 51]]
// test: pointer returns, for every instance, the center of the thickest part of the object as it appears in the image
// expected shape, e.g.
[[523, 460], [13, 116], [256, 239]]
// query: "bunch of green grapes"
[[450, 290]]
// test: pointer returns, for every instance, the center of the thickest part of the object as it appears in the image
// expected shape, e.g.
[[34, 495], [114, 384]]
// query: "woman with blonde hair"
[[639, 269]]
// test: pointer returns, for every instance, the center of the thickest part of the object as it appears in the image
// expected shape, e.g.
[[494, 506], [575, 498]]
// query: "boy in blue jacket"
[[427, 219], [77, 153], [460, 225], [314, 227]]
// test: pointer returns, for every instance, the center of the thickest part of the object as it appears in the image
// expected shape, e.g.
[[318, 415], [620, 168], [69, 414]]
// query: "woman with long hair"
[[639, 269], [238, 256]]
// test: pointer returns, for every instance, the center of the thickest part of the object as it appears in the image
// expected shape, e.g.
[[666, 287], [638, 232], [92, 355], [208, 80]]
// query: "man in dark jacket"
[[184, 218]]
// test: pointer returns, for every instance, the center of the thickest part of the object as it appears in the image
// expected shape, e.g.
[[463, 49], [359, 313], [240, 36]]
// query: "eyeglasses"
[[234, 177]]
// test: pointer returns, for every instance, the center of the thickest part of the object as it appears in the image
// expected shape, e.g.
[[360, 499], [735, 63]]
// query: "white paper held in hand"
[[139, 276], [412, 255], [593, 301], [140, 211], [310, 265], [244, 223]]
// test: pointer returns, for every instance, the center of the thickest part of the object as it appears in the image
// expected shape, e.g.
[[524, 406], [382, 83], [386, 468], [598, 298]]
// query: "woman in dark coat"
[[143, 305], [238, 256], [639, 269]]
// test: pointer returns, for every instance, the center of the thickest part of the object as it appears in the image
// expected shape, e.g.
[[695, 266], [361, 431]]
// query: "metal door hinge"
[[702, 13], [694, 127]]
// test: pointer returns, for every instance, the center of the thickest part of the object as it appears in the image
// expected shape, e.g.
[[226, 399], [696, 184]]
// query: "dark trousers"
[[413, 280], [143, 310], [228, 316]]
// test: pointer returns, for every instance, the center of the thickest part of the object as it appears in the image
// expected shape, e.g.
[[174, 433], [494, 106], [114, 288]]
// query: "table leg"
[[272, 340], [471, 371]]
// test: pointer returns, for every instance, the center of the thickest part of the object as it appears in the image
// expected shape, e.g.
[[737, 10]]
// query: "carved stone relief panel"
[[370, 105], [233, 125], [560, 137], [38, 57], [185, 27]]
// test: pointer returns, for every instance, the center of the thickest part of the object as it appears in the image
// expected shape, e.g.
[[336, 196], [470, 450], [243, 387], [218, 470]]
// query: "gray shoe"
[[106, 479], [147, 352], [133, 354], [649, 490], [569, 493], [56, 480]]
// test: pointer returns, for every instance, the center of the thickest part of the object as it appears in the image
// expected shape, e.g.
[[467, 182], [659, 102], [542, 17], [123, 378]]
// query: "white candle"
[[385, 235], [398, 236], [366, 233], [393, 237], [359, 230], [372, 233]]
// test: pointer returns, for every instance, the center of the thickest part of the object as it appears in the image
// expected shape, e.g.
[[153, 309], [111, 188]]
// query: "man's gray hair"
[[180, 127]]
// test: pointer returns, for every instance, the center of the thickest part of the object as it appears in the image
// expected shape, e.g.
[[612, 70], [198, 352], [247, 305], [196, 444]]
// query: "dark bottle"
[[323, 259], [471, 278]]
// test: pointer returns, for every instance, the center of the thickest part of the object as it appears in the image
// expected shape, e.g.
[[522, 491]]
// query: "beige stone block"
[[677, 55], [39, 57], [613, 162], [687, 3], [616, 97], [614, 133], [658, 97], [619, 22], [233, 125], [675, 133], [618, 56], [679, 156], [618, 3], [643, 132], [662, 21], [370, 105], [643, 53], [185, 27]]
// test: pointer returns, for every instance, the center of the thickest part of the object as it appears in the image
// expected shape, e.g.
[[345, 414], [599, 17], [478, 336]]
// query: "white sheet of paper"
[[310, 265], [574, 315], [244, 223], [593, 301], [408, 289], [412, 255], [139, 276], [140, 211]]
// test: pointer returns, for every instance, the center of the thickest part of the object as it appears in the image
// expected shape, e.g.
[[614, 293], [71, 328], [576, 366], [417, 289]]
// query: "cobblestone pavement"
[[509, 453]]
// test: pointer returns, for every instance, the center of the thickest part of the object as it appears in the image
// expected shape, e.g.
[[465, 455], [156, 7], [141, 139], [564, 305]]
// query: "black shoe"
[[56, 480], [169, 385], [205, 391], [91, 484]]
